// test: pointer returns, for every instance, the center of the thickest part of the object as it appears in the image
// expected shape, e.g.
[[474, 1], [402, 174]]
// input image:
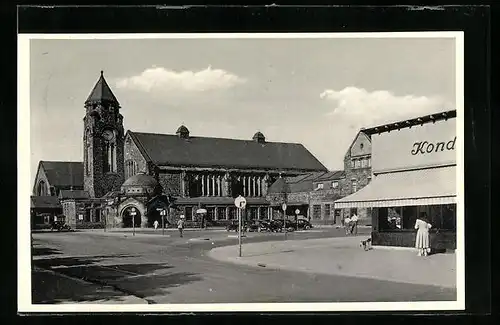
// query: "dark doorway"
[[128, 218]]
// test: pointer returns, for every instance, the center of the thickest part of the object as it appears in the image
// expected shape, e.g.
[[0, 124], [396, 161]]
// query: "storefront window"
[[395, 218], [316, 211], [263, 213], [232, 212], [410, 214], [252, 213], [211, 213], [327, 211], [221, 213], [449, 217], [188, 213]]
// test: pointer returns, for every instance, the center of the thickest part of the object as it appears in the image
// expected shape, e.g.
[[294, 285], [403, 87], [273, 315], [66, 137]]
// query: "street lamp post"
[[297, 211], [283, 206], [163, 213], [133, 213]]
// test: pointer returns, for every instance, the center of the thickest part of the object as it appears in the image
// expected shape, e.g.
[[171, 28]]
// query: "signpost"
[[163, 212], [240, 202], [297, 211], [133, 213], [283, 206]]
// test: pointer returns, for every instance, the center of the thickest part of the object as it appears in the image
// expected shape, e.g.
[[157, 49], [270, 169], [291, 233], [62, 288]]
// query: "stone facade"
[[170, 182], [42, 186], [134, 158], [358, 173], [101, 117]]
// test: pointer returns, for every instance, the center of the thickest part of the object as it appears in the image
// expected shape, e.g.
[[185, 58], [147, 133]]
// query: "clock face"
[[108, 135]]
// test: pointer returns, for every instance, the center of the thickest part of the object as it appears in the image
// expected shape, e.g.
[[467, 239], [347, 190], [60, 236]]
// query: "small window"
[[319, 186], [335, 184], [354, 186], [361, 145], [352, 163], [357, 163], [369, 162]]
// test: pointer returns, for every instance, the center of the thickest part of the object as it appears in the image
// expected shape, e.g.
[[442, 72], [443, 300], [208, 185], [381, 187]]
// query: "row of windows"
[[220, 213], [333, 184], [329, 212], [361, 162]]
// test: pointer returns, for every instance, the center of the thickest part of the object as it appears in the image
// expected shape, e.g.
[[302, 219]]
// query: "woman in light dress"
[[422, 240]]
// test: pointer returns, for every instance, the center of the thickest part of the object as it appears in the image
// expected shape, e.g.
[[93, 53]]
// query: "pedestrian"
[[354, 224], [155, 224], [422, 240], [180, 225], [347, 225]]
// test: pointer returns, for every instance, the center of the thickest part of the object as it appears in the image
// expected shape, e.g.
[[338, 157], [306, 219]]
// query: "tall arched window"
[[130, 168], [41, 188]]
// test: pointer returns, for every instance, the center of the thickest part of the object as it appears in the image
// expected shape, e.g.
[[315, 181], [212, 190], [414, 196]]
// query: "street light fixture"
[[133, 213]]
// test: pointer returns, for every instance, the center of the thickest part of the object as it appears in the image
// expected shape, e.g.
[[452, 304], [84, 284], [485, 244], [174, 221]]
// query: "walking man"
[[180, 224], [155, 224]]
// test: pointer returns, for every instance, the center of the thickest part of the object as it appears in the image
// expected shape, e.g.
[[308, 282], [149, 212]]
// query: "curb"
[[395, 248]]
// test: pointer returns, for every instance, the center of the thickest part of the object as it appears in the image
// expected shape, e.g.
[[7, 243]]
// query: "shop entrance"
[[129, 219]]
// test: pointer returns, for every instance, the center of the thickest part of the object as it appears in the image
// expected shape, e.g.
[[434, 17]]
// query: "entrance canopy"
[[431, 186]]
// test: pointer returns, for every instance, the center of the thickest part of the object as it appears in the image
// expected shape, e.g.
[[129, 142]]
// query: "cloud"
[[360, 108], [161, 80]]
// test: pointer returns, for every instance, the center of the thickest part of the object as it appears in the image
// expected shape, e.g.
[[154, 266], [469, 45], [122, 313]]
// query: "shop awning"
[[429, 186]]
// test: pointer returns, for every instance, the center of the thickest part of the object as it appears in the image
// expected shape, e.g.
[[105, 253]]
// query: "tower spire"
[[101, 91]]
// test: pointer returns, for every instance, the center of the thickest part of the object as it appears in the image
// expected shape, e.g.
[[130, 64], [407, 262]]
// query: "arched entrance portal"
[[129, 218]]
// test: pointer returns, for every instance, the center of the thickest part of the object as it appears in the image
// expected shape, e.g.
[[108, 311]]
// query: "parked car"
[[59, 224], [252, 225], [303, 224], [233, 226]]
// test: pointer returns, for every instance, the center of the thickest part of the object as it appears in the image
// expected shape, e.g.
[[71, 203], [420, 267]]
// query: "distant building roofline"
[[410, 122]]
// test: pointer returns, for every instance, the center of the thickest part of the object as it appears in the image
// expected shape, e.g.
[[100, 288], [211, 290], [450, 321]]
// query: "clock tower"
[[102, 141]]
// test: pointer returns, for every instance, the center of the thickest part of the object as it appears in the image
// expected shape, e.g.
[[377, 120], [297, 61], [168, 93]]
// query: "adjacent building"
[[414, 171]]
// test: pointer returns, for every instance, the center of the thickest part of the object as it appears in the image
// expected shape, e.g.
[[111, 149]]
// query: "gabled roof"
[[73, 194], [279, 186], [101, 92], [331, 175], [45, 202], [63, 173], [171, 150]]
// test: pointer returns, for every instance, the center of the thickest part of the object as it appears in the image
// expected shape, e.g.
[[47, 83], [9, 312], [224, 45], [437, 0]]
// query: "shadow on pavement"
[[40, 251], [141, 280], [49, 288]]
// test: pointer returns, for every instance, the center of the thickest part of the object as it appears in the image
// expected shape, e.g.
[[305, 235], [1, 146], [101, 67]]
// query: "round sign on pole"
[[240, 202], [283, 206], [297, 211]]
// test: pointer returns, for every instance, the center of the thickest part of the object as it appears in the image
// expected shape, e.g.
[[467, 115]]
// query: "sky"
[[318, 92]]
